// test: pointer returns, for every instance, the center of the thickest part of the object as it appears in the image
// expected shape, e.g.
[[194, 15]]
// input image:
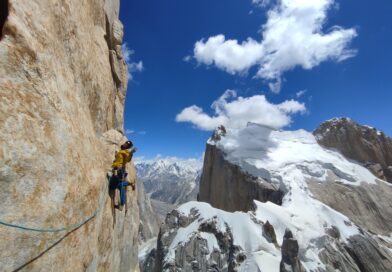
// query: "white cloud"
[[127, 52], [129, 131], [203, 121], [132, 66], [235, 112], [261, 2], [292, 36], [228, 55], [187, 58], [136, 66], [301, 93], [291, 107]]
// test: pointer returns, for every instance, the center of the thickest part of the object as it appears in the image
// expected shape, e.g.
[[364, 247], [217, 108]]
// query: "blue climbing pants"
[[119, 182]]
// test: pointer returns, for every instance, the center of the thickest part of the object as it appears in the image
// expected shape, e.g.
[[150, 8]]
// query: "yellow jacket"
[[122, 157]]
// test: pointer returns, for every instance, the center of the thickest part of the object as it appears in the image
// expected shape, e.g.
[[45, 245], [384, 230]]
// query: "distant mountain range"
[[170, 180]]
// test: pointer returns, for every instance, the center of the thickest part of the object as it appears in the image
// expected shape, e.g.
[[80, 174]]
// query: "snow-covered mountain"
[[363, 144], [171, 180], [313, 209]]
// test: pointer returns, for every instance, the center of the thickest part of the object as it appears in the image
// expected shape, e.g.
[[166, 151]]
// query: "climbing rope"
[[75, 226], [72, 227], [68, 230]]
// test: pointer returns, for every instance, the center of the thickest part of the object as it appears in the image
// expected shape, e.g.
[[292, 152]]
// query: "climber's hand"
[[134, 150]]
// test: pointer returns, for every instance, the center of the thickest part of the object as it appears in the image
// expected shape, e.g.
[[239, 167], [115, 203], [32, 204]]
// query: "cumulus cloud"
[[228, 55], [235, 111], [292, 36], [132, 66]]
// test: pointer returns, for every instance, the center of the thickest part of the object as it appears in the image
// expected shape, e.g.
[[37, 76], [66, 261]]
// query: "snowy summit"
[[291, 161]]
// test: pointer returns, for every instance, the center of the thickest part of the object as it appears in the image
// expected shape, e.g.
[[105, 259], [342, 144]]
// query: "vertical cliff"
[[149, 226], [332, 214], [231, 188], [62, 88], [361, 143]]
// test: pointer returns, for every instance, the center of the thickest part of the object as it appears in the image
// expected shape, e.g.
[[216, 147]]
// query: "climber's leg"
[[123, 192], [120, 176], [112, 195]]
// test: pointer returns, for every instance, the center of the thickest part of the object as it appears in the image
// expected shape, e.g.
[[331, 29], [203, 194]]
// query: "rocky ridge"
[[364, 144], [62, 89], [311, 227], [170, 180]]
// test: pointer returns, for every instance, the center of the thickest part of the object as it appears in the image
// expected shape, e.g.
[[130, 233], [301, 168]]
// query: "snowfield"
[[288, 159], [260, 150], [246, 233]]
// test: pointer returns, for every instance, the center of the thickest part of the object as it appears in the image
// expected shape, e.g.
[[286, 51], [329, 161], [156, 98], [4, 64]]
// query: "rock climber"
[[119, 173]]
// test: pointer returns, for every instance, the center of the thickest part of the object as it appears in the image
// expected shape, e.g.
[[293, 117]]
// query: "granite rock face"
[[361, 143], [148, 230], [161, 209], [290, 250], [149, 226], [368, 205], [361, 253], [269, 232], [61, 116], [195, 254], [228, 187]]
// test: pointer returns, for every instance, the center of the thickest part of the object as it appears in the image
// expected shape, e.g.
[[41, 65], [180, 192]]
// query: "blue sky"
[[162, 33]]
